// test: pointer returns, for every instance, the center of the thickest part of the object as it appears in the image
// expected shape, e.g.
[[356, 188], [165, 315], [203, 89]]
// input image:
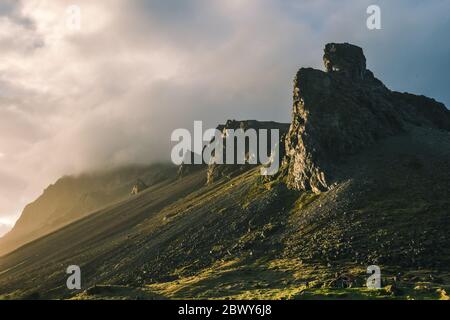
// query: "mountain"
[[364, 180], [74, 197], [342, 111]]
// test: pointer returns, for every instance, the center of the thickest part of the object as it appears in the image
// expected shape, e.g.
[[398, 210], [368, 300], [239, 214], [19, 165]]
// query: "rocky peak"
[[342, 111], [345, 58]]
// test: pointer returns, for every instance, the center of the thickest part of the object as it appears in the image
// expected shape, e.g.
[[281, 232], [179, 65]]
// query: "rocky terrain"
[[365, 180]]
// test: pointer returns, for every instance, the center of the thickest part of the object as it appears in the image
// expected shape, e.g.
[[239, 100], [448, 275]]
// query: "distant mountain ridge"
[[73, 197]]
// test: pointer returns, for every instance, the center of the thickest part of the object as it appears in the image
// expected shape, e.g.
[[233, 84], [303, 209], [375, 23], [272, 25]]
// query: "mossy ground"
[[279, 279]]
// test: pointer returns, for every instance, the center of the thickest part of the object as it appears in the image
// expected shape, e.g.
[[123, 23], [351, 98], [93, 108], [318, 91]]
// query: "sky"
[[111, 92]]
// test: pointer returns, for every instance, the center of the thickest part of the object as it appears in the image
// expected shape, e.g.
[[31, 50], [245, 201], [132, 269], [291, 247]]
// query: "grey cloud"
[[181, 23], [10, 9]]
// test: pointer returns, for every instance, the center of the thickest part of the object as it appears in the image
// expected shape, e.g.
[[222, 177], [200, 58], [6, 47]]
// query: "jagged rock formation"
[[343, 110], [217, 171], [345, 58]]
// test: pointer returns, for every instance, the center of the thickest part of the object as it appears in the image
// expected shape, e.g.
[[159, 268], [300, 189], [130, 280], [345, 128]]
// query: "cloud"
[[112, 92]]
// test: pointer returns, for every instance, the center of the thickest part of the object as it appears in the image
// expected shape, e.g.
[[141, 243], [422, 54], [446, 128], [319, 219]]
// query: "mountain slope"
[[72, 198], [258, 239]]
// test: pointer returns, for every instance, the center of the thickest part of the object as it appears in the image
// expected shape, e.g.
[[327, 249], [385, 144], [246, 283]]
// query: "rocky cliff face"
[[339, 112], [345, 58]]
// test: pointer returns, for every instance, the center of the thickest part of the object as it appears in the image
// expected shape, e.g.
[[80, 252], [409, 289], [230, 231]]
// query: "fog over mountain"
[[4, 228], [112, 92]]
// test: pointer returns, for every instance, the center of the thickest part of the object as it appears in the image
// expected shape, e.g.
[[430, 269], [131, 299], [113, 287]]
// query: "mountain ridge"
[[365, 180], [72, 197]]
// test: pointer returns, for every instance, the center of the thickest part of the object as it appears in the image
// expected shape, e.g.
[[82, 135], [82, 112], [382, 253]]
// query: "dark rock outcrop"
[[339, 112], [138, 187], [345, 58], [217, 171]]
